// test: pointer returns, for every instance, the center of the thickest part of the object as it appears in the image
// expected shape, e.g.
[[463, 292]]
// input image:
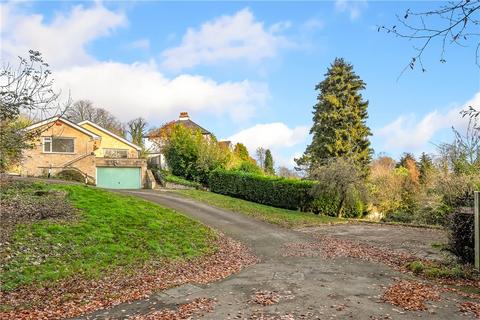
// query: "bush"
[[462, 235], [192, 156], [291, 194], [399, 216], [249, 167], [71, 175], [341, 185]]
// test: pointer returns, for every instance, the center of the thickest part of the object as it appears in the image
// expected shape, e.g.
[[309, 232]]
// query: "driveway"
[[307, 287]]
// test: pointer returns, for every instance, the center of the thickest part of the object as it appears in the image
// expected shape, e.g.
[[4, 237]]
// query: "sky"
[[246, 71]]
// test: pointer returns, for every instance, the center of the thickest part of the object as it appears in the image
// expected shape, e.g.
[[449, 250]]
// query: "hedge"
[[462, 235], [285, 193]]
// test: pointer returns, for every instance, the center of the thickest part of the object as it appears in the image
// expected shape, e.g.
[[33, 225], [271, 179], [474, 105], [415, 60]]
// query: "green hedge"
[[291, 194]]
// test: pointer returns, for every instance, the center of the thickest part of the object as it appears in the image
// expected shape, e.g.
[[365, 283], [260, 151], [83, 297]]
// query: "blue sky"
[[245, 70]]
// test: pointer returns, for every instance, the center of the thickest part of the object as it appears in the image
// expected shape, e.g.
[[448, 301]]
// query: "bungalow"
[[155, 140], [102, 157]]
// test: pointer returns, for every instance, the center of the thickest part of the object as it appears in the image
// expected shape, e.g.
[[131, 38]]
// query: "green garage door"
[[118, 178]]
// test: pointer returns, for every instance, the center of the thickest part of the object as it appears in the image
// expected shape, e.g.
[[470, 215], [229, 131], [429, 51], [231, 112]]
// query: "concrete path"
[[309, 287]]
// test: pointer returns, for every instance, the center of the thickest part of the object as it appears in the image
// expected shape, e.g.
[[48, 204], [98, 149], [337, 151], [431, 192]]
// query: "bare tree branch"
[[457, 23]]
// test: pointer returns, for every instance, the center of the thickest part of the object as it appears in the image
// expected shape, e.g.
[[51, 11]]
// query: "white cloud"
[[139, 89], [277, 137], [234, 37], [353, 7], [409, 134], [61, 41], [127, 90]]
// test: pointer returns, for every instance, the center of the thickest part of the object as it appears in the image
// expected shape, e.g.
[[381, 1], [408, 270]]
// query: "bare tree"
[[463, 154], [287, 173], [472, 113], [260, 154], [454, 23], [83, 110], [136, 130], [26, 93]]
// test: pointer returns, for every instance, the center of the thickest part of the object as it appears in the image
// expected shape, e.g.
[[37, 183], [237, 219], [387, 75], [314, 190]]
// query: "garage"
[[119, 177]]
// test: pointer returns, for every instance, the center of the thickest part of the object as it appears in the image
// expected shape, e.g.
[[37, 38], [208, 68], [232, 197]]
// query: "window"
[[115, 153], [58, 145]]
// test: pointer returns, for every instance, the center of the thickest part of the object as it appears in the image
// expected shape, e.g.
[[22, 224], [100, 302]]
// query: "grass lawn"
[[112, 232], [283, 217]]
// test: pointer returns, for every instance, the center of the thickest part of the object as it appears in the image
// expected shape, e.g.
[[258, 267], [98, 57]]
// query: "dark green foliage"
[[399, 216], [182, 151], [294, 194], [461, 235], [291, 194], [268, 165], [425, 167], [13, 140], [189, 155], [405, 159], [339, 122], [339, 189], [71, 175]]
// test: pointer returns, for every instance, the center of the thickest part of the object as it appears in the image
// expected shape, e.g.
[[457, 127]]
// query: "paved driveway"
[[309, 287]]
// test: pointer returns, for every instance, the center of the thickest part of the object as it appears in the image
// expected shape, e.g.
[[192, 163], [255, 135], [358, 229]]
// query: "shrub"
[[191, 156], [341, 184], [71, 175], [461, 235], [249, 167], [399, 216], [291, 194]]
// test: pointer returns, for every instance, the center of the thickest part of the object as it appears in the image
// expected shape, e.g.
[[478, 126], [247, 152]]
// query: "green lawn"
[[283, 217], [112, 232]]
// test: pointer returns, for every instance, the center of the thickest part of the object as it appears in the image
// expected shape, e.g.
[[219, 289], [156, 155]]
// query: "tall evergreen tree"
[[406, 158], [268, 163], [425, 167], [339, 120]]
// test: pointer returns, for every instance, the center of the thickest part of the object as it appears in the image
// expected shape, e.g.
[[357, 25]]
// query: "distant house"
[[156, 139], [102, 157]]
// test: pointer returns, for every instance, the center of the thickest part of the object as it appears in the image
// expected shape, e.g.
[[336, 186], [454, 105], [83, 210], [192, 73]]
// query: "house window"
[[58, 145], [115, 153]]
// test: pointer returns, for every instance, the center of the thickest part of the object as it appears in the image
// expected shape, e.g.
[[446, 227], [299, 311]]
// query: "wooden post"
[[477, 229]]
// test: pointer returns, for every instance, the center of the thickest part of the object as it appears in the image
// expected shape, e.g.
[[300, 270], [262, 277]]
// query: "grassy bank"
[[283, 217], [110, 231]]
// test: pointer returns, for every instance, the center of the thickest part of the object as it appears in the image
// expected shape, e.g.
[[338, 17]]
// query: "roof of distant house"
[[183, 119]]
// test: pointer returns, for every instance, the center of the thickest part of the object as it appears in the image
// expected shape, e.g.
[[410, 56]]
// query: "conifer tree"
[[425, 167], [339, 120], [268, 164]]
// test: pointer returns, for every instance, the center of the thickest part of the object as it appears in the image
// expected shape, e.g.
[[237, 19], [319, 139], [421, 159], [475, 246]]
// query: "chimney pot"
[[184, 116]]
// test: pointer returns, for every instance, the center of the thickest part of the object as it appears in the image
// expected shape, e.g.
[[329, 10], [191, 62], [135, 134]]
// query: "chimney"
[[184, 116]]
